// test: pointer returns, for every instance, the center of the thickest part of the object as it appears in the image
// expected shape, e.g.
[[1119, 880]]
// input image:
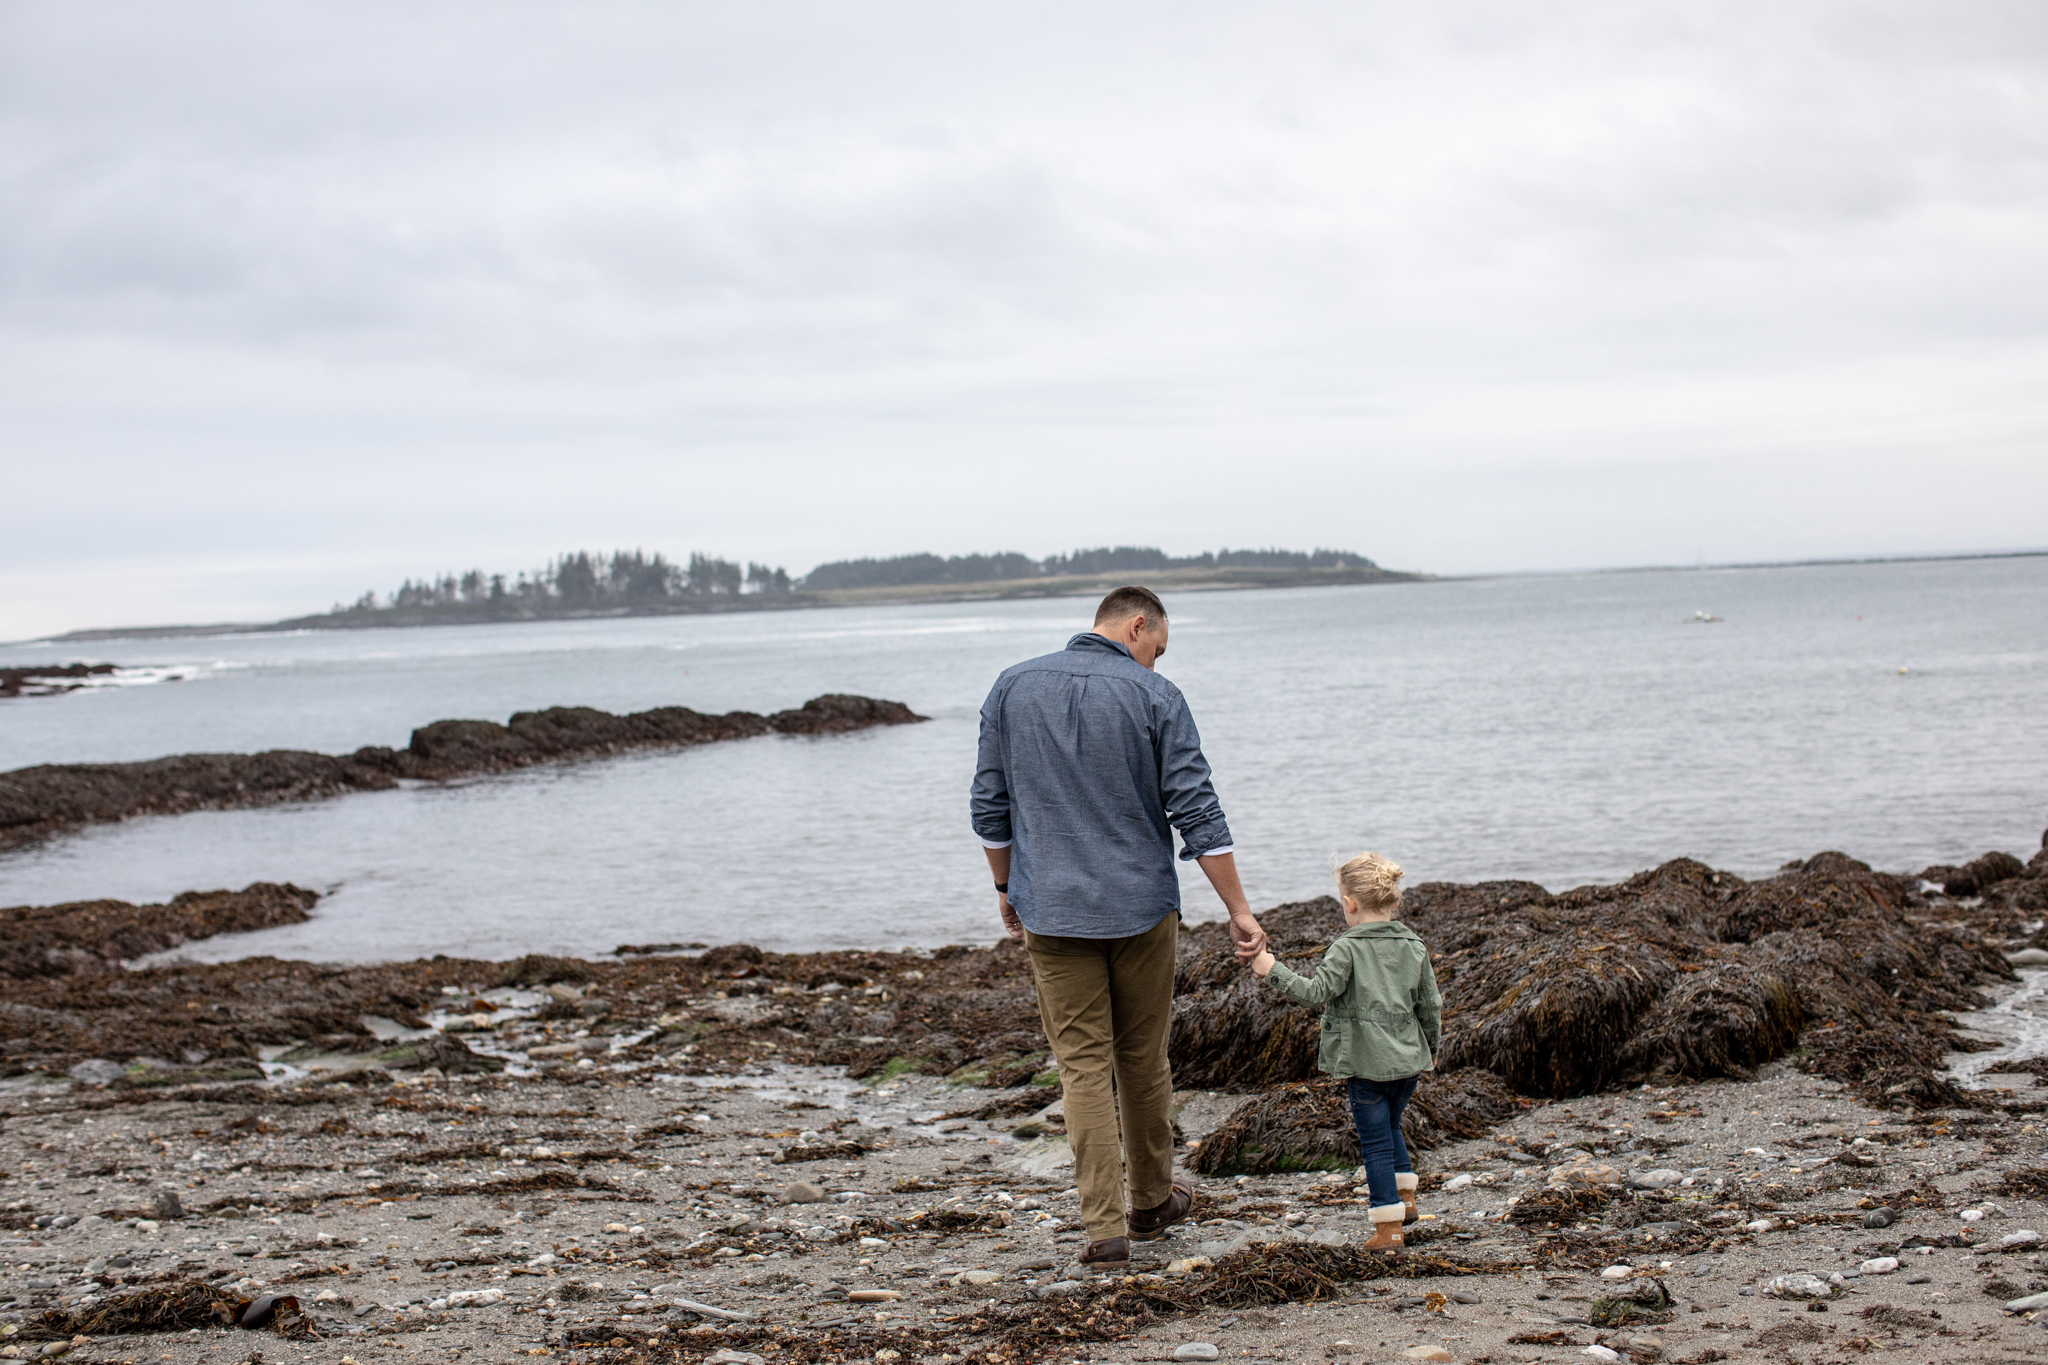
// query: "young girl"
[[1382, 1021]]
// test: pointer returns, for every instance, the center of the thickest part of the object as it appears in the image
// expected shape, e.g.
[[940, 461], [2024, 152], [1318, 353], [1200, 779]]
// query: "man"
[[1088, 761]]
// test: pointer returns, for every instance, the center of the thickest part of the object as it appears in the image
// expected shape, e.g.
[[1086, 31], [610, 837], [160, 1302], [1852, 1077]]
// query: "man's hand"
[[1221, 870], [999, 868], [1248, 936]]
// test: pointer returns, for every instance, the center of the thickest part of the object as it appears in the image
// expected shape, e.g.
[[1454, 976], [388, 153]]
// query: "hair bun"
[[1371, 880]]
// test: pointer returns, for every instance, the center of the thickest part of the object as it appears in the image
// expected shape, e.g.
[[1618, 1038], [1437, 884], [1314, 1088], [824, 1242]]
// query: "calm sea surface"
[[1561, 729]]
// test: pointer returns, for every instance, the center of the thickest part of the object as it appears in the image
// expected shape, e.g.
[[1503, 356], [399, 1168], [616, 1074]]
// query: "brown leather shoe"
[[1149, 1224], [1111, 1253]]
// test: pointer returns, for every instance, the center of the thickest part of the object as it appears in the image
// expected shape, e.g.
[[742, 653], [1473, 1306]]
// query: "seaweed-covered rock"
[[40, 801], [96, 936], [1679, 972], [1980, 874], [1307, 1125]]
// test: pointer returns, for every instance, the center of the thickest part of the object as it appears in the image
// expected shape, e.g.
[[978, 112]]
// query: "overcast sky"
[[298, 300]]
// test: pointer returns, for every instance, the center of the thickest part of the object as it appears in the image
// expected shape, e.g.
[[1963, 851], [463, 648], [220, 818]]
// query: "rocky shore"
[[49, 680], [38, 802], [1662, 1103]]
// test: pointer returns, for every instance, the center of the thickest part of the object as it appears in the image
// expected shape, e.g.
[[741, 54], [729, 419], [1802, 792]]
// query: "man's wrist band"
[[1003, 887]]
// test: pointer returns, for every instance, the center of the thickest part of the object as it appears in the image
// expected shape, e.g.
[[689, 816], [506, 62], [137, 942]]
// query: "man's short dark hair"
[[1127, 602]]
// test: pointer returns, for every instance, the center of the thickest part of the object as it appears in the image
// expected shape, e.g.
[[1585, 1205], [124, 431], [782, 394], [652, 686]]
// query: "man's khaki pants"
[[1107, 1005]]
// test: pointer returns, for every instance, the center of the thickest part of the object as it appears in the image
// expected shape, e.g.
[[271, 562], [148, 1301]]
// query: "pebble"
[[2028, 957], [801, 1192], [728, 1356], [1880, 1218], [1919, 1279], [2027, 1304], [1342, 1348], [1617, 1272], [1800, 1286], [1189, 1265], [977, 1277], [1879, 1265], [873, 1242], [1601, 1353], [873, 1296], [475, 1298], [1426, 1353], [1760, 1225], [1655, 1180], [1971, 1215], [1463, 1296], [1059, 1288], [1456, 1183], [705, 1310], [1197, 1350], [2025, 1237]]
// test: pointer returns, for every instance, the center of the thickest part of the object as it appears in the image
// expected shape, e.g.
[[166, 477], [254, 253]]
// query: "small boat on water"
[[1704, 618]]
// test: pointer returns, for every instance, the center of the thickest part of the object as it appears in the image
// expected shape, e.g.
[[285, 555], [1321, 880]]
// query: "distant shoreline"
[[1178, 580], [1071, 585]]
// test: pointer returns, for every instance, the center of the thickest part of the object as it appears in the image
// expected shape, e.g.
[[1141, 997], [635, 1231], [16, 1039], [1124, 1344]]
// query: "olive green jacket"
[[1382, 1016]]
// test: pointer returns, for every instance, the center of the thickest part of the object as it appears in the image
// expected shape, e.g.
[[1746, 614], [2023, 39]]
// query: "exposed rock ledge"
[[38, 802]]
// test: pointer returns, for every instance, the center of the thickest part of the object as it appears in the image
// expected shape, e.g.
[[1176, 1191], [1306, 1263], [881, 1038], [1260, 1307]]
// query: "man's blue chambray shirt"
[[1087, 758]]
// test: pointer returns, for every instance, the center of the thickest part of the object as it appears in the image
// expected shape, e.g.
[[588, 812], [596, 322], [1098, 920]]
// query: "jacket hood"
[[1392, 928]]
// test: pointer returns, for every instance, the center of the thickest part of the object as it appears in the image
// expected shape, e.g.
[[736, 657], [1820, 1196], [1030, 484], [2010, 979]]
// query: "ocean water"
[[1564, 729]]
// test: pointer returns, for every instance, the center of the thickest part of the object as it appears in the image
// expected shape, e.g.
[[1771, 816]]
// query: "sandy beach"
[[674, 1152]]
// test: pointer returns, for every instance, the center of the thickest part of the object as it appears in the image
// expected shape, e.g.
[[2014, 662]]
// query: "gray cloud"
[[298, 299]]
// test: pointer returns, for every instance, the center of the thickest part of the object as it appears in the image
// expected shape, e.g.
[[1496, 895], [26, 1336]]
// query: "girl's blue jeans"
[[1376, 1108]]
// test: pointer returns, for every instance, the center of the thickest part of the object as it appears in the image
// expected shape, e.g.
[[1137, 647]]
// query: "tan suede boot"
[[1386, 1228], [1407, 1183]]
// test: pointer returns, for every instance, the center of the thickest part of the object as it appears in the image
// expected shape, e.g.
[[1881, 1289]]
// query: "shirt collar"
[[1088, 639]]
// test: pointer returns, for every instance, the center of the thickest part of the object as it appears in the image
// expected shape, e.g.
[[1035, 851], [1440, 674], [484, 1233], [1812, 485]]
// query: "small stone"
[[1655, 1180], [1971, 1215], [1919, 1279], [728, 1356], [801, 1192], [873, 1296], [1189, 1265], [1879, 1265], [1880, 1218], [1426, 1353], [872, 1242], [1800, 1286], [1761, 1225], [165, 1207], [1463, 1296], [1456, 1183], [475, 1298], [1196, 1350], [1342, 1348], [2024, 1237], [2027, 1304], [1059, 1288], [1601, 1353], [979, 1276], [2028, 957], [1617, 1272]]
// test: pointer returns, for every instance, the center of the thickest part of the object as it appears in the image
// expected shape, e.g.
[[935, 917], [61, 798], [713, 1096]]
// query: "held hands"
[[1263, 963], [1246, 935]]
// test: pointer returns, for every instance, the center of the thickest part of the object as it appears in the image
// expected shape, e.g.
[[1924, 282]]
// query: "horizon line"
[[1420, 576]]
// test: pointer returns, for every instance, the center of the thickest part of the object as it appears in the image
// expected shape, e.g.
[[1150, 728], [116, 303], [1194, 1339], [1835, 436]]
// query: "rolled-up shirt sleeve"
[[1190, 797], [989, 801]]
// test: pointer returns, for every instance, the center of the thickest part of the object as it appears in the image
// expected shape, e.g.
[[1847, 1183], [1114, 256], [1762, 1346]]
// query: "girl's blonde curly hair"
[[1374, 882]]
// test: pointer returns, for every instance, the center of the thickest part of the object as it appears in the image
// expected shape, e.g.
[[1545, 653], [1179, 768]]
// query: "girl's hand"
[[1263, 963]]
